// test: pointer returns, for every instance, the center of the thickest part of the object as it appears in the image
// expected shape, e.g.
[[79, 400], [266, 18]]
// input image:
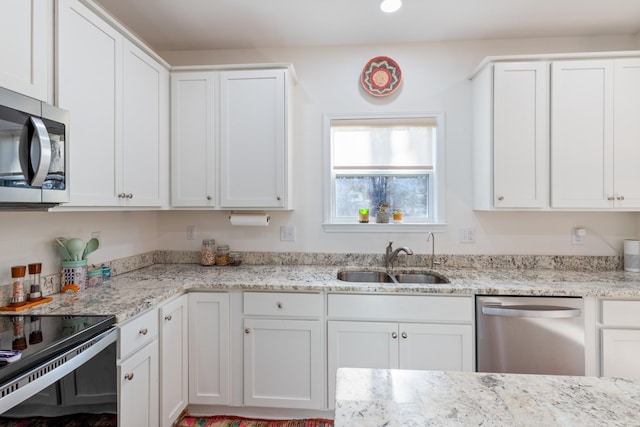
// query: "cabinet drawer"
[[401, 307], [621, 313], [282, 304], [137, 332]]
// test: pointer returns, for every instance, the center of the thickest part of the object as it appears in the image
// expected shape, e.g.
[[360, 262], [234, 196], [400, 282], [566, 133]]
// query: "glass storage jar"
[[208, 252], [222, 255], [235, 258]]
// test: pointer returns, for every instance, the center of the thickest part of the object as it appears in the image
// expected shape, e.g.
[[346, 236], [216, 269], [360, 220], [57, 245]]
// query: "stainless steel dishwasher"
[[530, 335]]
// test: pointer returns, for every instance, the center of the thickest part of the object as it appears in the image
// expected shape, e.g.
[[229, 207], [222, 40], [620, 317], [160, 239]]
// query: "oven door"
[[82, 380]]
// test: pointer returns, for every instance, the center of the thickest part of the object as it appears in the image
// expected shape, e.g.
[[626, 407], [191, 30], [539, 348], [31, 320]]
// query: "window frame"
[[436, 180]]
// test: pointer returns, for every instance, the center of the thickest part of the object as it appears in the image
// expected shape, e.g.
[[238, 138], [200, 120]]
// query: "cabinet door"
[[252, 139], [209, 363], [89, 64], [142, 156], [436, 347], [174, 367], [138, 388], [192, 140], [360, 345], [627, 133], [26, 31], [582, 134], [520, 135], [621, 353], [283, 363]]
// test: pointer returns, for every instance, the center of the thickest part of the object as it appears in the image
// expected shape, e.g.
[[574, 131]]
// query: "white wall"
[[435, 78]]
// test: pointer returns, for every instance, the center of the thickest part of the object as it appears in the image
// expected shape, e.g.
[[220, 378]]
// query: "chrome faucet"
[[431, 237], [391, 256]]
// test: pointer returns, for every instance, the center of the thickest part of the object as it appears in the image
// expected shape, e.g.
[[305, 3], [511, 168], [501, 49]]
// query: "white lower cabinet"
[[620, 338], [174, 351], [209, 348], [283, 350], [138, 371], [416, 340]]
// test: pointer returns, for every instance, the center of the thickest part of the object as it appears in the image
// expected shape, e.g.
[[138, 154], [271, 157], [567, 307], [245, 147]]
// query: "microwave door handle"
[[538, 311], [42, 164]]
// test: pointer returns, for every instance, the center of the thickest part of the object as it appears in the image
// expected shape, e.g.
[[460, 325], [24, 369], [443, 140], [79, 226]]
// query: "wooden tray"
[[29, 304]]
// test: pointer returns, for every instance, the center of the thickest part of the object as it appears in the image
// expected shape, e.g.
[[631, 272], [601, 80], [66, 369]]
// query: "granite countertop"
[[131, 293], [405, 398]]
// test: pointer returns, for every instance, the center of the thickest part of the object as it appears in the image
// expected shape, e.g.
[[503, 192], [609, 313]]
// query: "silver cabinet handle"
[[209, 197], [129, 196], [500, 198], [394, 335], [278, 198], [121, 195], [537, 311], [404, 335], [247, 331], [280, 305], [168, 318], [610, 198], [36, 156], [620, 197], [143, 331], [129, 376]]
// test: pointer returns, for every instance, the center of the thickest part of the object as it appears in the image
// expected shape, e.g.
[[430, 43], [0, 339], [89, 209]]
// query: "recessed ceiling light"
[[390, 6]]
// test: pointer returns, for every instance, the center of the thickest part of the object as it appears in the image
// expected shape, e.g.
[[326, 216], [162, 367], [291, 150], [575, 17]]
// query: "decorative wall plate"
[[381, 76]]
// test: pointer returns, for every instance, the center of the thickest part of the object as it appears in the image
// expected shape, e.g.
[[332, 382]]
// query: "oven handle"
[[29, 383], [535, 311]]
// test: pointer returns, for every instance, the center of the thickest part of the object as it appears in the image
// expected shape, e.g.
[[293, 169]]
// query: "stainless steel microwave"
[[34, 153]]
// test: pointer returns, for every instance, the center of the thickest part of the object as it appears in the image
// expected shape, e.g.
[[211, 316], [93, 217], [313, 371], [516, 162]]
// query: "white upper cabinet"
[[118, 99], [145, 131], [511, 139], [89, 64], [27, 29], [230, 146], [253, 139], [626, 131], [582, 134], [193, 146], [557, 132]]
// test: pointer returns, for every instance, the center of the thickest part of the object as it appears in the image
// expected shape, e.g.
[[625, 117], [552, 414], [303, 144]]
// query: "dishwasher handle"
[[535, 311]]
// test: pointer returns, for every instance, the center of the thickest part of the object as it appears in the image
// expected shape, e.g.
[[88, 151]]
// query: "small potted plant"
[[382, 215]]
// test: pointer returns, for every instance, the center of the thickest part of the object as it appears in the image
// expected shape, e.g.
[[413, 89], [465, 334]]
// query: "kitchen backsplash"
[[51, 284]]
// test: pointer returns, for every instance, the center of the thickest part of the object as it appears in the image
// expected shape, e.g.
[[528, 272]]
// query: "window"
[[396, 160]]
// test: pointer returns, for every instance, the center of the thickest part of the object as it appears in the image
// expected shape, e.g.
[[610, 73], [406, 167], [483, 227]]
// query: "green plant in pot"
[[382, 214]]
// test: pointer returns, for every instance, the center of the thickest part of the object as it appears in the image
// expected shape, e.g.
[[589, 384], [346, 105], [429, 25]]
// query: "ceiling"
[[243, 24]]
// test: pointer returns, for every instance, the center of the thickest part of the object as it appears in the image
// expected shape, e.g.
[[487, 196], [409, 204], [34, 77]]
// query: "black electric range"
[[42, 338]]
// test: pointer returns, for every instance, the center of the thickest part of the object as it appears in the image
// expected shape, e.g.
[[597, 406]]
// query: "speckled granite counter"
[[131, 293], [403, 398]]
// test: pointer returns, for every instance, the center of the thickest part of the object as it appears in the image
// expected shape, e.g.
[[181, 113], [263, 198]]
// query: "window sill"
[[373, 227]]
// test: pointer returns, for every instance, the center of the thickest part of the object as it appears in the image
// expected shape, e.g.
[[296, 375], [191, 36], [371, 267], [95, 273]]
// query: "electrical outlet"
[[191, 232], [467, 235], [97, 235], [578, 236], [287, 233]]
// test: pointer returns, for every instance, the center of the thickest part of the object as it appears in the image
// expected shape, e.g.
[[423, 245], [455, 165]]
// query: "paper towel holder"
[[249, 218]]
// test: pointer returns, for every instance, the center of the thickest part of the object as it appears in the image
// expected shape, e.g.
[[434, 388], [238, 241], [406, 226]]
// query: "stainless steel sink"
[[420, 278], [364, 276], [382, 277]]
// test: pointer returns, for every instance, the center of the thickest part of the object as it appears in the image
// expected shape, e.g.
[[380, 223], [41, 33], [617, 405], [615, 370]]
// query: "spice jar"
[[235, 258], [222, 255], [35, 292], [208, 252], [17, 275]]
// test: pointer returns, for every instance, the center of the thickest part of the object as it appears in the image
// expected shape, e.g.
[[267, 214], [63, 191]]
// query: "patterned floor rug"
[[231, 421]]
